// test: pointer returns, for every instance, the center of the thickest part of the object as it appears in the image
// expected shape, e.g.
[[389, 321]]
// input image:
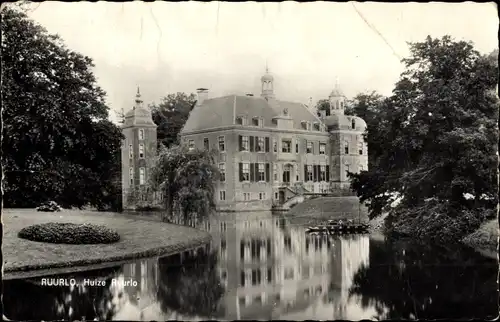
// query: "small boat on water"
[[339, 227]]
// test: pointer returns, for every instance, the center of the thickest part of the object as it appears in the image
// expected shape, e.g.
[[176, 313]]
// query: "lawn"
[[139, 238]]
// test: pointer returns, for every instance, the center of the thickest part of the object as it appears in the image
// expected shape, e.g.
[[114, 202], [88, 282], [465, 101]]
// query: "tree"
[[171, 115], [323, 105], [436, 142], [57, 141], [187, 180]]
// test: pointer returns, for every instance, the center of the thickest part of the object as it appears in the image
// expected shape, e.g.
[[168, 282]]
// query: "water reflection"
[[260, 267]]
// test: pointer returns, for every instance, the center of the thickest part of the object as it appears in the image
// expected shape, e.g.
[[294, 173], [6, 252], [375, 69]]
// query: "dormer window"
[[304, 125], [353, 124], [256, 121], [316, 126], [341, 105], [239, 120]]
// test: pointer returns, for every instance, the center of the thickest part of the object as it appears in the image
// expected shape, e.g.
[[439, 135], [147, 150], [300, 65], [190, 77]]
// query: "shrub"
[[50, 206], [435, 221], [69, 233]]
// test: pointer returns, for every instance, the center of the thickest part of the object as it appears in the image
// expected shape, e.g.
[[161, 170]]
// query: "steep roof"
[[222, 111]]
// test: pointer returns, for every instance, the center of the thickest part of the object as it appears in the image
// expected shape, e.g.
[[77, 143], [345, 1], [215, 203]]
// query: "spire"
[[138, 100], [337, 83], [267, 68]]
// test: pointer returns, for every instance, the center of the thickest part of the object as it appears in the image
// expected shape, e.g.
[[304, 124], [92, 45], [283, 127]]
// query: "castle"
[[268, 150]]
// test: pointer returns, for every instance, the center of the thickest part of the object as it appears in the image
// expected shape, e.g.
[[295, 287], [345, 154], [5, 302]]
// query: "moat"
[[261, 267]]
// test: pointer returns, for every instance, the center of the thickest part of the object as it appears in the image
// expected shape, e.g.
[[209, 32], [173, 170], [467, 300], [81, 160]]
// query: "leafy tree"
[[187, 180], [323, 105], [170, 115], [436, 142], [57, 140]]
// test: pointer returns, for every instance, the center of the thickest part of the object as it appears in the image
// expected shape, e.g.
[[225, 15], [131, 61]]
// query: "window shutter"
[[252, 172], [252, 147], [240, 140], [327, 173], [267, 143], [315, 173], [305, 173], [267, 172], [241, 170], [256, 171]]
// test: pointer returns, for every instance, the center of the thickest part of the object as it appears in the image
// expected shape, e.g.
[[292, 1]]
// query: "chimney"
[[202, 95], [249, 94]]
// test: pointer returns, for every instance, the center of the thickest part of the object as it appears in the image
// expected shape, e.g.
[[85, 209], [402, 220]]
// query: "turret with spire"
[[267, 81], [138, 150], [337, 99]]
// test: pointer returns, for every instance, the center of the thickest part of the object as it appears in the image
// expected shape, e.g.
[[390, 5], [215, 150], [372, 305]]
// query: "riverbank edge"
[[178, 247], [484, 240], [174, 245]]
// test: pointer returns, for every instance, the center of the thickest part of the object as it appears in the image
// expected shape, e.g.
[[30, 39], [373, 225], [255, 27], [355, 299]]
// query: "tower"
[[138, 152], [337, 100], [267, 81]]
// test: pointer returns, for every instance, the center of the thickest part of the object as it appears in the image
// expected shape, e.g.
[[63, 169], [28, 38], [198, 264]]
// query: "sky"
[[173, 47]]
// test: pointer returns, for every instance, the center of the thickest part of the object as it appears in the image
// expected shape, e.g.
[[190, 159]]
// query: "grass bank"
[[139, 238], [320, 209]]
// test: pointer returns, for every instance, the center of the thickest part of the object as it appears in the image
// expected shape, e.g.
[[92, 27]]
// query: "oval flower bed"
[[69, 233]]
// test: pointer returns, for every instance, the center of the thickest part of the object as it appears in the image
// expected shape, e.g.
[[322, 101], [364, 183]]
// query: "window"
[[262, 196], [297, 147], [316, 126], [261, 174], [239, 120], [244, 143], [275, 172], [131, 174], [360, 148], [206, 143], [141, 134], [141, 150], [222, 144], [142, 175], [246, 171], [276, 195], [275, 145], [256, 277], [309, 147], [255, 121], [309, 173], [246, 196], [260, 144], [304, 125], [286, 146], [341, 105], [346, 171], [289, 273], [353, 124], [222, 170], [322, 148], [346, 147], [322, 173], [297, 174], [130, 151], [222, 195], [191, 145]]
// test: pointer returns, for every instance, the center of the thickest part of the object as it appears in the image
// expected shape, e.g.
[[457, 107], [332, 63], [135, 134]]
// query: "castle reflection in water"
[[269, 270]]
